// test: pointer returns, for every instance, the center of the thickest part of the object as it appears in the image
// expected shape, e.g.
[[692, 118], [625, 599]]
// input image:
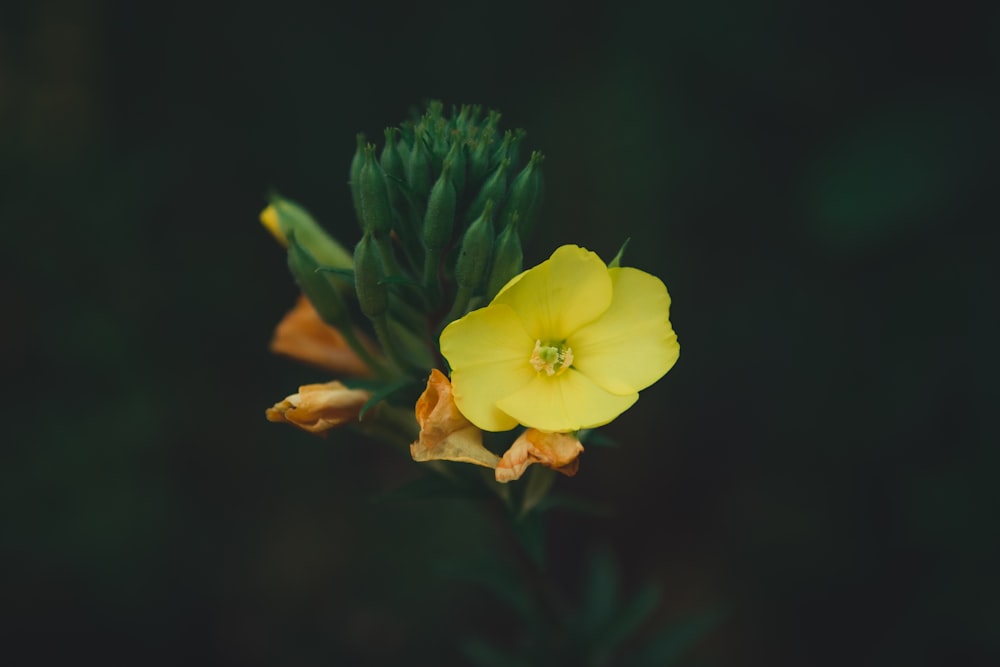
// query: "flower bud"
[[474, 256], [354, 176], [511, 147], [457, 159], [526, 194], [391, 162], [479, 157], [323, 289], [418, 169], [440, 216], [507, 259], [501, 152], [376, 211], [373, 296], [290, 219], [494, 189]]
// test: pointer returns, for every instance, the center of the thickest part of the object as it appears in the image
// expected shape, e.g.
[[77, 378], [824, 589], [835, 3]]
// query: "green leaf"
[[601, 592], [625, 622]]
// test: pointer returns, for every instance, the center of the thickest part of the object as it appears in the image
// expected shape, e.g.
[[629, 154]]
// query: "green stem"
[[550, 604], [359, 348], [386, 340]]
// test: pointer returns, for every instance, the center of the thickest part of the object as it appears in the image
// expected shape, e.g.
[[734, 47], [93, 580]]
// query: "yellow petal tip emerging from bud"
[[445, 434], [317, 408], [269, 218], [559, 451]]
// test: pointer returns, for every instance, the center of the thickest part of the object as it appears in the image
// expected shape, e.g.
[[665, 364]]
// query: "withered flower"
[[319, 407], [559, 451], [444, 433]]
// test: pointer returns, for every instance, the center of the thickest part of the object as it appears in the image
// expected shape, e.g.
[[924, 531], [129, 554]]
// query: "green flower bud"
[[526, 194], [418, 169], [457, 159], [494, 189], [390, 160], [373, 296], [479, 156], [440, 217], [293, 220], [512, 148], [376, 211], [507, 259], [461, 121], [474, 255], [354, 176], [501, 152], [323, 289]]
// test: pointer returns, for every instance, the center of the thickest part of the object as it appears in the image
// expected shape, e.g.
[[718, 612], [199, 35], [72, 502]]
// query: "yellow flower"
[[564, 346], [444, 433], [319, 407], [559, 451]]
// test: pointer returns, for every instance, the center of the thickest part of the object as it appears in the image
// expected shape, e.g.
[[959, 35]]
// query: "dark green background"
[[815, 183]]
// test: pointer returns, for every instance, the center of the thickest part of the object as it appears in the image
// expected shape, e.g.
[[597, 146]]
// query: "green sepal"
[[617, 261], [322, 289], [294, 220]]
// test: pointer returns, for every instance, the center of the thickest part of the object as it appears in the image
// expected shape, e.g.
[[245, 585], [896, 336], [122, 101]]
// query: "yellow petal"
[[631, 345], [303, 336], [444, 433], [559, 451], [319, 407], [269, 218], [489, 353], [560, 295], [566, 402]]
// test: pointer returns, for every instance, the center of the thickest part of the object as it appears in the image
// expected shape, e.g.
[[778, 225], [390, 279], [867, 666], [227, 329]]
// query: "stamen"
[[553, 359]]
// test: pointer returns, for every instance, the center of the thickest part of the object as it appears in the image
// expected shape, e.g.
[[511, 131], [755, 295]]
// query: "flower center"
[[553, 359]]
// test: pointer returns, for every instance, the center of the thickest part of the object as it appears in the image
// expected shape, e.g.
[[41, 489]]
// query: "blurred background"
[[815, 183]]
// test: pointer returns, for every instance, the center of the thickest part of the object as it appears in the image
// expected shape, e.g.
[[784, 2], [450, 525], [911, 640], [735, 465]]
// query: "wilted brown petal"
[[319, 407], [304, 336], [559, 451], [444, 433]]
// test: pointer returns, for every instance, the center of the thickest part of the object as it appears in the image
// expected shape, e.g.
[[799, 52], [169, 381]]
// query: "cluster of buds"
[[443, 208]]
